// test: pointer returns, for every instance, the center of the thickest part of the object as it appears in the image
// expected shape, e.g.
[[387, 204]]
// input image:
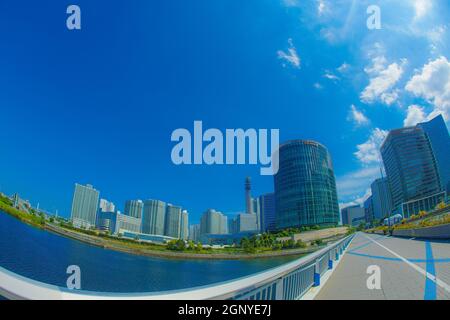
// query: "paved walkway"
[[410, 269]]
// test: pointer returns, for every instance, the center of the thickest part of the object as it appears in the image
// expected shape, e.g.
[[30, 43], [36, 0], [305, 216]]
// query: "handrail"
[[14, 286]]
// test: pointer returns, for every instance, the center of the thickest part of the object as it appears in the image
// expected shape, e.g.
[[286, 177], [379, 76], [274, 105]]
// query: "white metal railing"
[[287, 282]]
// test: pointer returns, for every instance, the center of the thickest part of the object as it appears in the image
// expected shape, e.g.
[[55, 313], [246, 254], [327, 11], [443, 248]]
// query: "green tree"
[[318, 242], [191, 245], [300, 244]]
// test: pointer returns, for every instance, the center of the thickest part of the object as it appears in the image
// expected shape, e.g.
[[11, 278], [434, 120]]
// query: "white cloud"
[[344, 67], [357, 117], [415, 115], [318, 86], [291, 56], [378, 65], [331, 76], [321, 7], [369, 151], [422, 7], [436, 34], [342, 70], [389, 98], [353, 184], [433, 84], [358, 201], [290, 3], [383, 79]]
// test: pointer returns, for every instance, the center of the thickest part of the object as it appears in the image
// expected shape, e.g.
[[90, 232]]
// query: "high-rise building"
[[248, 195], [106, 216], [16, 200], [353, 215], [194, 232], [247, 222], [232, 225], [184, 225], [439, 137], [381, 199], [344, 215], [106, 206], [267, 212], [368, 210], [213, 222], [128, 223], [106, 221], [134, 208], [256, 210], [154, 217], [173, 222], [224, 224], [305, 186], [411, 170], [84, 206]]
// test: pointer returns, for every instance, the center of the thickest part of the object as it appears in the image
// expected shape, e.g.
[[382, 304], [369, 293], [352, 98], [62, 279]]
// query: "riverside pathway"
[[410, 269]]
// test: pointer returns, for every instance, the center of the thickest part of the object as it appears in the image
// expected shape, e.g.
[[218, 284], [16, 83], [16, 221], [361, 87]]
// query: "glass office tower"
[[381, 197], [410, 166], [353, 215], [267, 212], [439, 137], [305, 186], [368, 210]]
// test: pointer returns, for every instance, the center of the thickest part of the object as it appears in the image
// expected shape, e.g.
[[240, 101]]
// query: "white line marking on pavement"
[[435, 279]]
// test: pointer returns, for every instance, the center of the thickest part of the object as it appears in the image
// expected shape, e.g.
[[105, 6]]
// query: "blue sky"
[[98, 105]]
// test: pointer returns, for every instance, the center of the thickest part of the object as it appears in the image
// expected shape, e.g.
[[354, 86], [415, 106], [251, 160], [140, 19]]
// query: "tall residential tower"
[[154, 217], [134, 208], [172, 226], [84, 206]]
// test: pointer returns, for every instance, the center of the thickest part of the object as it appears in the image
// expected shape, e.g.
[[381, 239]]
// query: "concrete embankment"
[[435, 232], [107, 244]]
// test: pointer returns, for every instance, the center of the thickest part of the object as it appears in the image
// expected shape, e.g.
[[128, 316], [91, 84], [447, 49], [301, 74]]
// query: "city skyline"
[[109, 122], [102, 203], [432, 134]]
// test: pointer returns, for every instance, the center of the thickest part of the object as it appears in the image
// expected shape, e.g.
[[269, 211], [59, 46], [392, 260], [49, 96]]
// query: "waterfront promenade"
[[410, 269]]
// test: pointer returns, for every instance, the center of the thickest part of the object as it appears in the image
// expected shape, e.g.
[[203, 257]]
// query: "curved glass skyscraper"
[[305, 186]]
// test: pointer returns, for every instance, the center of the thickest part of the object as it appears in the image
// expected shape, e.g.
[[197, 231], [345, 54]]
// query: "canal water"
[[44, 256]]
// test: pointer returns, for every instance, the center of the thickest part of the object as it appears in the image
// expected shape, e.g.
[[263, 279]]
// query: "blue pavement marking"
[[428, 260], [439, 260], [368, 243], [373, 257], [430, 286]]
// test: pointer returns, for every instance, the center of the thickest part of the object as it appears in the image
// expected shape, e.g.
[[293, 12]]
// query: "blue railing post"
[[330, 260], [317, 273], [337, 253]]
